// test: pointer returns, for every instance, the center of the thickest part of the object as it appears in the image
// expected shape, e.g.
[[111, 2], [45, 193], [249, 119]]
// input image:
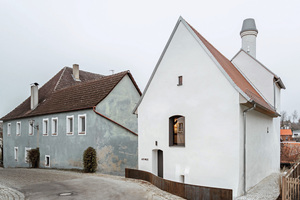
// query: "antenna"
[[112, 71]]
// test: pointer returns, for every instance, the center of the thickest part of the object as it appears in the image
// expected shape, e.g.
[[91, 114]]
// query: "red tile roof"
[[289, 152], [286, 132], [62, 93], [235, 75]]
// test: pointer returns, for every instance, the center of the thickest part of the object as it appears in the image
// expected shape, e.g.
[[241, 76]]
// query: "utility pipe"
[[245, 147], [94, 109]]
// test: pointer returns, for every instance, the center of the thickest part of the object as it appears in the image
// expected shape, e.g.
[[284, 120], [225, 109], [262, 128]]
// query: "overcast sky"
[[39, 37]]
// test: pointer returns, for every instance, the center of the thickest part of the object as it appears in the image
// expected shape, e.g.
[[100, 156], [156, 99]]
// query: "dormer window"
[[177, 130]]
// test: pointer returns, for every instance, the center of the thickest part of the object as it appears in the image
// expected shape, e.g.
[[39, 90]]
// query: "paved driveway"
[[56, 184]]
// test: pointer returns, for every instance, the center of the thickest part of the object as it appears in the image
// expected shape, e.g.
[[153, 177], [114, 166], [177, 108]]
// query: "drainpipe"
[[274, 86], [245, 147]]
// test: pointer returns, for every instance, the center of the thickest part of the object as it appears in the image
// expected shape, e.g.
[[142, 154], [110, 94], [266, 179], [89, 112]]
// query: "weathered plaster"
[[116, 147]]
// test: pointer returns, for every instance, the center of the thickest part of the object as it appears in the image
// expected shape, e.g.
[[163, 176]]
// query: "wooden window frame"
[[171, 131]]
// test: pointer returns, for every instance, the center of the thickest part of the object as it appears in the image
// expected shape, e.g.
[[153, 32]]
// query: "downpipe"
[[245, 142]]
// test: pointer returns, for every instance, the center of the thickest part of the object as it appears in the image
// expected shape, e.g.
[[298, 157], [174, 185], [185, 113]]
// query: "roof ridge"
[[90, 81], [57, 83]]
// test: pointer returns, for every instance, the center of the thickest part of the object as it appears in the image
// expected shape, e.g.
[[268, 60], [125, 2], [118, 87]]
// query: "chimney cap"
[[249, 25], [34, 84]]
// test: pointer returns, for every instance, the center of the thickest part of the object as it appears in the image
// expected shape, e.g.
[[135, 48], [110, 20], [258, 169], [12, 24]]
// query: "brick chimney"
[[248, 35], [34, 99], [76, 72]]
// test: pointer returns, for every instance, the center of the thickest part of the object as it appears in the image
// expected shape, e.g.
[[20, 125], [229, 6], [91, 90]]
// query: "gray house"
[[72, 111]]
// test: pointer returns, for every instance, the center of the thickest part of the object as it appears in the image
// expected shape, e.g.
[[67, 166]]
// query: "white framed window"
[[70, 125], [45, 127], [26, 154], [18, 129], [16, 153], [82, 124], [31, 128], [54, 127], [8, 128], [47, 161]]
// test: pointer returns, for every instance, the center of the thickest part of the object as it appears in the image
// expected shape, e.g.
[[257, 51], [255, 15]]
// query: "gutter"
[[245, 142], [94, 109]]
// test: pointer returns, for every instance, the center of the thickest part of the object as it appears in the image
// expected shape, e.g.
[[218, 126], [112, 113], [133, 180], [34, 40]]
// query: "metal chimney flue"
[[248, 35]]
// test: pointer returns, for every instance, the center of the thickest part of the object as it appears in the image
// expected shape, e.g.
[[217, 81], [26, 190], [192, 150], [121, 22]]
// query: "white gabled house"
[[205, 120]]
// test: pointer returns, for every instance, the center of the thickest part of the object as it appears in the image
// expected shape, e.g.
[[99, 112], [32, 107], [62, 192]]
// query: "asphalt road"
[[46, 184]]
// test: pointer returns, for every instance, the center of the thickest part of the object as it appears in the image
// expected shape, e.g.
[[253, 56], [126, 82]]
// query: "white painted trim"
[[16, 153], [8, 129], [80, 132], [26, 152], [31, 128], [18, 128], [46, 161], [68, 132], [46, 128], [53, 133]]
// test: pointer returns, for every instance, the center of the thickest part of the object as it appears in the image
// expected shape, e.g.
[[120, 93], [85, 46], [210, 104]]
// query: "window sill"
[[54, 134], [69, 133], [82, 133], [176, 145]]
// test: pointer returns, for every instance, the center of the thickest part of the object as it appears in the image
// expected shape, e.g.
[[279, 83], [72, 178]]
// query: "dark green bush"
[[90, 160], [33, 157]]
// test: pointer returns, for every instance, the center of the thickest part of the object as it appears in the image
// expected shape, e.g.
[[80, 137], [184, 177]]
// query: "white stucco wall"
[[263, 146], [211, 108], [260, 77]]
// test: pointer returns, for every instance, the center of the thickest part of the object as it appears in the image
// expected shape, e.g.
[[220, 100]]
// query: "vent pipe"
[[34, 98], [248, 35]]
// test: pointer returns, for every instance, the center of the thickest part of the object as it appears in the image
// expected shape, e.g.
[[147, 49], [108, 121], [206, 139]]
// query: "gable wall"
[[260, 77], [211, 108]]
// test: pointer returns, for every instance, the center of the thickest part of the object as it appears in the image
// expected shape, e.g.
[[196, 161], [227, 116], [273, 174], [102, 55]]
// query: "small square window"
[[8, 128], [47, 161], [26, 154], [16, 153], [31, 128], [82, 124], [18, 129], [179, 80], [70, 125], [54, 126], [45, 127]]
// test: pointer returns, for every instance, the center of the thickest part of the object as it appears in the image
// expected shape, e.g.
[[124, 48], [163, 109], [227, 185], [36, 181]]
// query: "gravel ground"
[[267, 189], [13, 179]]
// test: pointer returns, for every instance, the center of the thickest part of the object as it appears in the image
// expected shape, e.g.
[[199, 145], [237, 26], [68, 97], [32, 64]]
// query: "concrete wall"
[[211, 108], [116, 147]]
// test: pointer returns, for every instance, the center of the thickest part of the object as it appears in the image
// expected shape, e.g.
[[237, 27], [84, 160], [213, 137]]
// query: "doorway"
[[160, 164]]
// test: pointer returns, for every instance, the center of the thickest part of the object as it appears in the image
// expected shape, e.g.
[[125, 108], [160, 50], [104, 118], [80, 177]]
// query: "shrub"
[[33, 157], [90, 160]]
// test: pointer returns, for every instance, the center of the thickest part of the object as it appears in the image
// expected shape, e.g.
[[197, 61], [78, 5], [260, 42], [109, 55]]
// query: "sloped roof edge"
[[277, 78], [157, 64]]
